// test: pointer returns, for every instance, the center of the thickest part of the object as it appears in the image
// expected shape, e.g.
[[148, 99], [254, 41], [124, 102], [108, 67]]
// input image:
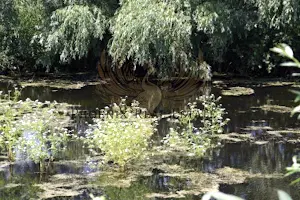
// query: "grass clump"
[[122, 133]]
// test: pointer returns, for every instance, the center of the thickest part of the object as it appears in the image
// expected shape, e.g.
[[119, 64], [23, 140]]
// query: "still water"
[[19, 181]]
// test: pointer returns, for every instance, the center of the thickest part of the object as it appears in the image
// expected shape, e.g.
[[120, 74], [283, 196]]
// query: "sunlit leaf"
[[277, 50], [283, 195], [289, 64], [297, 93], [288, 51], [296, 110], [295, 181]]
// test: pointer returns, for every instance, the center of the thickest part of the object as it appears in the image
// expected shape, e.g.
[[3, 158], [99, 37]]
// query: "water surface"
[[270, 158]]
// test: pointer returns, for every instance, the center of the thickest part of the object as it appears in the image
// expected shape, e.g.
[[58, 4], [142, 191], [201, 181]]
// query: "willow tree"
[[74, 28], [166, 34]]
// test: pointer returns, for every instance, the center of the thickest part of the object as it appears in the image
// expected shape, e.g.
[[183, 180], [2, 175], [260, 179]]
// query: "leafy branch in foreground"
[[295, 168], [286, 51]]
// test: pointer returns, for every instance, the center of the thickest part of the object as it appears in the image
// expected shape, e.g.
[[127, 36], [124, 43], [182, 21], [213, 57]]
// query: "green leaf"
[[283, 50], [295, 110], [288, 50], [283, 195], [277, 50], [295, 181], [295, 92]]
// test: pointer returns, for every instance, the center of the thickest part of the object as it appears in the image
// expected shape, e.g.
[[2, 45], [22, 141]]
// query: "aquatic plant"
[[31, 129], [122, 133], [197, 138], [41, 135]]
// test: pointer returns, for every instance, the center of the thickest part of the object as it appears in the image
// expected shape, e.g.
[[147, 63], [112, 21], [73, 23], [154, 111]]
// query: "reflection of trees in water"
[[245, 109], [40, 93], [266, 159], [169, 94]]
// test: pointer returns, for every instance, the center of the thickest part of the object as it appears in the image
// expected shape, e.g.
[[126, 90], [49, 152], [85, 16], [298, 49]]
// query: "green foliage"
[[73, 29], [31, 127], [278, 14], [210, 113], [197, 139], [295, 168], [213, 18], [21, 20], [286, 51], [122, 133], [42, 134], [151, 32], [164, 34]]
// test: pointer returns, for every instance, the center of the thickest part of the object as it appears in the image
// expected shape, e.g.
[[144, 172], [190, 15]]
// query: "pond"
[[264, 161]]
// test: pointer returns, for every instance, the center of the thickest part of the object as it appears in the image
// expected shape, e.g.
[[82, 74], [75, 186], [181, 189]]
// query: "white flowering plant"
[[122, 133], [32, 129], [193, 138]]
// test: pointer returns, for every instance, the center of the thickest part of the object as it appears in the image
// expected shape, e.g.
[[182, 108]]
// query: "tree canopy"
[[167, 34]]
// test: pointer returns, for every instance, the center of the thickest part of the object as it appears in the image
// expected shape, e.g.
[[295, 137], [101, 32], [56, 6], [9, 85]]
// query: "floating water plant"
[[122, 133]]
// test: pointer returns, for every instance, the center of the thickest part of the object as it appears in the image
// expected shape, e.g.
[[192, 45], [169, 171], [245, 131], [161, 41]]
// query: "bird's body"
[[151, 96]]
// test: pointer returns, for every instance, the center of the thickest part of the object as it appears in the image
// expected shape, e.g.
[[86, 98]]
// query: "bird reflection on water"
[[154, 95]]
